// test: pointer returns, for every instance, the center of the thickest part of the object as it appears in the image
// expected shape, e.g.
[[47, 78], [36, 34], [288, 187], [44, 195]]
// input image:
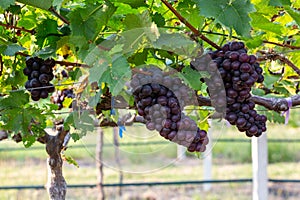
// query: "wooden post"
[[99, 164], [259, 167], [207, 161], [117, 157], [181, 152]]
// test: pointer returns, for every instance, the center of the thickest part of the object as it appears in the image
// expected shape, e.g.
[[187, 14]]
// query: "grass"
[[148, 163]]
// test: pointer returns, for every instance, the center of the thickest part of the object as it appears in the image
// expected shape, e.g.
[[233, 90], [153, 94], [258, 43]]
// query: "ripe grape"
[[39, 73], [160, 101], [59, 96], [239, 71]]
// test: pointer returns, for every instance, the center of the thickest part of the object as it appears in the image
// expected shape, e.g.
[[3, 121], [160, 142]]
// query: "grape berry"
[[162, 111], [39, 73], [59, 96], [239, 72]]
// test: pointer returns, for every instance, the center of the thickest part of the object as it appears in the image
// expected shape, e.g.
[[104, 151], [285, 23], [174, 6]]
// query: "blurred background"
[[155, 168]]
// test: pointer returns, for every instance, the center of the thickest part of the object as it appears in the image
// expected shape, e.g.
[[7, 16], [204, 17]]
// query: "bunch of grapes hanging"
[[160, 100], [239, 72], [39, 73]]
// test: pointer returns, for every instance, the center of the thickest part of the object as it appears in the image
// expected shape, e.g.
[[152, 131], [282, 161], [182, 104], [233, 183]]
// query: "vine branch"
[[276, 56], [190, 26], [62, 18], [275, 104], [64, 63], [282, 45], [8, 26]]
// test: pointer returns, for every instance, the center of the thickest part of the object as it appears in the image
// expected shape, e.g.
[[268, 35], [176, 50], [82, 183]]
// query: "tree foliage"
[[111, 38]]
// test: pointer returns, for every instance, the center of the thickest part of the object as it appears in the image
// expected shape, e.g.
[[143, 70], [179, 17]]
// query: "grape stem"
[[62, 18], [275, 104], [282, 45], [190, 26], [276, 56], [8, 26], [63, 63]]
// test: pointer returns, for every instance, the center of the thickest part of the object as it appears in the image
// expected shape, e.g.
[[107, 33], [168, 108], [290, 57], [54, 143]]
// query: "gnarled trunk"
[[56, 185]]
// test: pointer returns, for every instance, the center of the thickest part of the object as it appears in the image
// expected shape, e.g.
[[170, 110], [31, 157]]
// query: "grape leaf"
[[10, 49], [28, 21], [261, 22], [191, 13], [57, 4], [98, 60], [132, 3], [70, 160], [176, 43], [14, 99], [4, 4], [191, 77], [90, 20], [47, 33], [132, 21], [279, 2], [294, 14], [45, 4], [117, 74], [233, 14]]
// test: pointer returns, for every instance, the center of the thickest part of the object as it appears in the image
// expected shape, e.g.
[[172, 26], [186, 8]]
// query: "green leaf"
[[28, 140], [233, 14], [47, 33], [191, 77], [132, 21], [11, 49], [57, 4], [14, 9], [70, 160], [29, 20], [280, 3], [83, 121], [67, 102], [94, 100], [4, 4], [294, 14], [98, 60], [176, 43], [45, 4], [274, 117], [158, 19], [254, 42], [14, 99], [191, 13], [116, 75], [261, 22], [69, 121], [132, 3], [90, 20]]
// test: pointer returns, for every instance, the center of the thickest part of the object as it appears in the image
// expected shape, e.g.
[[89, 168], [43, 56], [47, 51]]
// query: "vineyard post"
[[99, 164], [117, 158], [207, 161], [259, 167], [181, 152]]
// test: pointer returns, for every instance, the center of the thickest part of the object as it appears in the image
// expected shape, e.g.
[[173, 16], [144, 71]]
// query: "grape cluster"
[[239, 72], [39, 73], [59, 96], [162, 110]]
